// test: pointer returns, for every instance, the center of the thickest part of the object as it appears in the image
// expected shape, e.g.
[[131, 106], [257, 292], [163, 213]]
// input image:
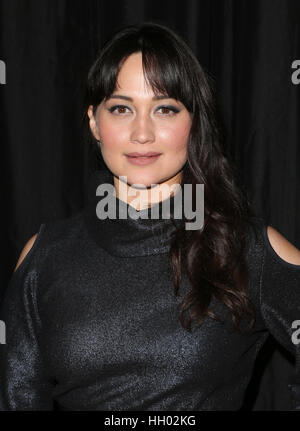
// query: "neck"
[[146, 197]]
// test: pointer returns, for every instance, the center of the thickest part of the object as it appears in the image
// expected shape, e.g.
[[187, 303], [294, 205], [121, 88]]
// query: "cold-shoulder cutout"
[[280, 298], [284, 251], [25, 250], [28, 248]]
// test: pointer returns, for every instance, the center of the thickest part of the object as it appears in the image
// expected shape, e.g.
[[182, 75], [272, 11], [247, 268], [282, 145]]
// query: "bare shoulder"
[[25, 250], [286, 250]]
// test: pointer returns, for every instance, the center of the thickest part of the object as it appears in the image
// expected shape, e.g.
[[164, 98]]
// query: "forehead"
[[131, 77]]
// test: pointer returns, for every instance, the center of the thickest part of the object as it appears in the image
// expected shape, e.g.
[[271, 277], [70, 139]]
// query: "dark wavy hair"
[[213, 257]]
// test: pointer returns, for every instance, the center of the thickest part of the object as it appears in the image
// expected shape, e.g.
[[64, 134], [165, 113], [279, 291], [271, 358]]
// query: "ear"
[[93, 123]]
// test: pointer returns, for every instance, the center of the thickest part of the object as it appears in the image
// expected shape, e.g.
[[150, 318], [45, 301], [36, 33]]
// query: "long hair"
[[212, 257]]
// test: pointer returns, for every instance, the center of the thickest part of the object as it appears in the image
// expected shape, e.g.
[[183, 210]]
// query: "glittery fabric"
[[92, 322]]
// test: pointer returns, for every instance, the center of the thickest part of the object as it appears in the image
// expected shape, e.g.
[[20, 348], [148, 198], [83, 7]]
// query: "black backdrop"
[[247, 46]]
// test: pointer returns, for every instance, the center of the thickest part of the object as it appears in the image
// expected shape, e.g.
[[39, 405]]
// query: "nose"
[[142, 129]]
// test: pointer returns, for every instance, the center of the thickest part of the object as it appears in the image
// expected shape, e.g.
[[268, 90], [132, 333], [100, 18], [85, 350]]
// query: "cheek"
[[175, 138], [112, 136]]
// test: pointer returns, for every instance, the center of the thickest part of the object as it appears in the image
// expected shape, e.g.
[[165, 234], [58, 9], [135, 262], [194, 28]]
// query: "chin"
[[142, 178]]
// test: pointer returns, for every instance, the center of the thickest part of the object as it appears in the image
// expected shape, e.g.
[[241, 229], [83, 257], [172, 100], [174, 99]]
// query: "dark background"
[[247, 47]]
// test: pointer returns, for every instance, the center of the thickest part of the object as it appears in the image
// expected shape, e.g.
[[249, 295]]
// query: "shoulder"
[[53, 237], [284, 249], [279, 297], [264, 238], [27, 247]]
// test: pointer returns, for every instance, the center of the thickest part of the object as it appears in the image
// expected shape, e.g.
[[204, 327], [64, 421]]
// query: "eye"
[[121, 110], [169, 108], [118, 107]]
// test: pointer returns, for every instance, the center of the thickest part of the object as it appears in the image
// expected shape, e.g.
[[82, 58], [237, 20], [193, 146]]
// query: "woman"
[[140, 313]]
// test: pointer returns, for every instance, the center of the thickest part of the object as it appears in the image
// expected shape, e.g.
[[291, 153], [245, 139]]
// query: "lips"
[[148, 154], [142, 160]]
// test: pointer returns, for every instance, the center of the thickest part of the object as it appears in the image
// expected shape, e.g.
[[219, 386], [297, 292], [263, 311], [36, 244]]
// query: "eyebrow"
[[119, 96]]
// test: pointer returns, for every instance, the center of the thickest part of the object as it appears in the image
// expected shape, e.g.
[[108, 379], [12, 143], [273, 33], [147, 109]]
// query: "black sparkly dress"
[[92, 321]]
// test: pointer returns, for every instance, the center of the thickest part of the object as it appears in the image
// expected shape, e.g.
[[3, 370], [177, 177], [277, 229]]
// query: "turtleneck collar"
[[128, 237]]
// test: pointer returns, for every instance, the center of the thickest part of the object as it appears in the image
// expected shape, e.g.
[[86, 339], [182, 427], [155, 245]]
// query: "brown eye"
[[119, 108], [168, 109]]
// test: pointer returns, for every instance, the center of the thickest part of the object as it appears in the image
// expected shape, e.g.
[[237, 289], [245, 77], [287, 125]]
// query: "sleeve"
[[280, 307], [23, 385]]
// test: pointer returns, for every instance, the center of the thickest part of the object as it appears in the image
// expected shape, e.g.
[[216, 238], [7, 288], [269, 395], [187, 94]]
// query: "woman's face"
[[133, 121]]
